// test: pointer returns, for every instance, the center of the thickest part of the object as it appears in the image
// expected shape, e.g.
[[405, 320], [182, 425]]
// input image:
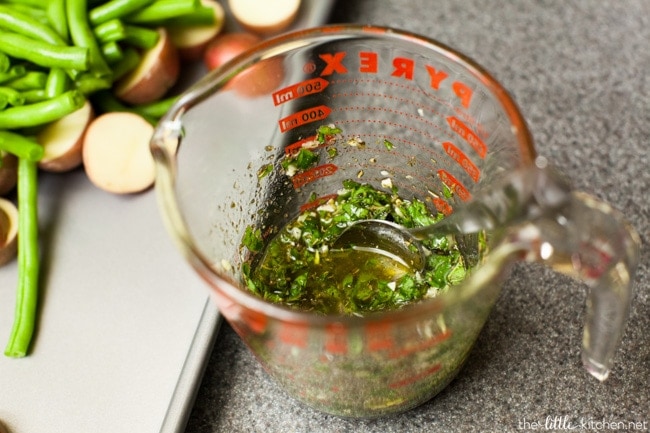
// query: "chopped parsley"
[[298, 269], [324, 132]]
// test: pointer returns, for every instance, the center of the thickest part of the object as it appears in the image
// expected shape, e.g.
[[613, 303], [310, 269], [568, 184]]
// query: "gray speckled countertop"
[[580, 71]]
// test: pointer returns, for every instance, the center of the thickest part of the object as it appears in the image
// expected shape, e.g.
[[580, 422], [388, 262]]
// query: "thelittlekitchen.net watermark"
[[566, 423]]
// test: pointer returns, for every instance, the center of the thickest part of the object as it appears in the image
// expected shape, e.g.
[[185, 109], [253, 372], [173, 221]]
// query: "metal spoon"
[[524, 194]]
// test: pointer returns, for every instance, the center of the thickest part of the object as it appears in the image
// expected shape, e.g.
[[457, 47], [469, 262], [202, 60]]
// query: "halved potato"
[[62, 140], [191, 41], [8, 230], [157, 72]]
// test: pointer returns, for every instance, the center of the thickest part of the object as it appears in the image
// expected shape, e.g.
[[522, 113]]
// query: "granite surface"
[[580, 72]]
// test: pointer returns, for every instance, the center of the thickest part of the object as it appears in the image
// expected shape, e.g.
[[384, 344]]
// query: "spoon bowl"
[[524, 195]]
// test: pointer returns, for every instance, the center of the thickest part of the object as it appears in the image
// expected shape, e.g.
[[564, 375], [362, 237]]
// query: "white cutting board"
[[125, 325]]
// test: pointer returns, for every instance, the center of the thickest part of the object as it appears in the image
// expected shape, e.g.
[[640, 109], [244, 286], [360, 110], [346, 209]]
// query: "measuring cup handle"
[[523, 195], [589, 240]]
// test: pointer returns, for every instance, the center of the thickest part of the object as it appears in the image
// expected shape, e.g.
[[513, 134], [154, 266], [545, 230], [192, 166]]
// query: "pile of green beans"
[[54, 56]]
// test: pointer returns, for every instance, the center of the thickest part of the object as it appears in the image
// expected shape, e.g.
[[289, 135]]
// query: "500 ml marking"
[[300, 118], [298, 90]]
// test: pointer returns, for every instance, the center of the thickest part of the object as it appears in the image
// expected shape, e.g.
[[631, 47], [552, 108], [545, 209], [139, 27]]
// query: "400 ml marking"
[[463, 160], [314, 114]]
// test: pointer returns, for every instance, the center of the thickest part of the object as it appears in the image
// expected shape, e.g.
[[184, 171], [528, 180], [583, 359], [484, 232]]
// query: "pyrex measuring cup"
[[415, 116]]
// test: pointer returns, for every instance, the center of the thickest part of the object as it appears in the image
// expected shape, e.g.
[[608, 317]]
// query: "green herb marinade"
[[299, 270]]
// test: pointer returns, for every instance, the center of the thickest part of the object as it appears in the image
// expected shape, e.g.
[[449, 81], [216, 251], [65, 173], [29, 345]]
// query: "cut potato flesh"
[[116, 153], [265, 17], [8, 230], [191, 41], [157, 72], [62, 140]]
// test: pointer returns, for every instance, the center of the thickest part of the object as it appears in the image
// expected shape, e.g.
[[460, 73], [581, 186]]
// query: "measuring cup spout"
[[590, 241]]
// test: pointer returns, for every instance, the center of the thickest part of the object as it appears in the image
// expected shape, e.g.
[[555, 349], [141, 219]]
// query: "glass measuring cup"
[[415, 116]]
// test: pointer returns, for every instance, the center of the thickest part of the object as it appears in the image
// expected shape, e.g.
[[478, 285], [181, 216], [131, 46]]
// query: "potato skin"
[[157, 73], [8, 172], [192, 42], [239, 10], [8, 247]]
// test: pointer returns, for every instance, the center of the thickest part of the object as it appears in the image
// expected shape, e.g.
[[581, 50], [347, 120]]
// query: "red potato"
[[8, 230], [226, 47], [116, 153], [8, 172], [157, 72], [191, 41], [62, 140], [264, 17], [261, 79]]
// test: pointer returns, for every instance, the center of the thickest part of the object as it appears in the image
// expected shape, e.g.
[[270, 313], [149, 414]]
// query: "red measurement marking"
[[379, 336], [427, 344], [302, 179], [336, 339], [457, 155], [442, 206], [295, 147], [409, 380], [303, 117], [255, 321], [319, 201], [298, 90], [468, 135], [456, 186], [294, 334]]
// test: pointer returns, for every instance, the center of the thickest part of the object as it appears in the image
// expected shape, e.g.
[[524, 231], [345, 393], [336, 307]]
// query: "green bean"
[[57, 82], [5, 63], [115, 9], [141, 37], [13, 73], [162, 10], [156, 109], [28, 261], [21, 23], [82, 35], [110, 31], [202, 16], [41, 112], [20, 146], [105, 102], [88, 83], [56, 17], [43, 53], [112, 53], [35, 4], [12, 95], [31, 80], [34, 95], [130, 60]]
